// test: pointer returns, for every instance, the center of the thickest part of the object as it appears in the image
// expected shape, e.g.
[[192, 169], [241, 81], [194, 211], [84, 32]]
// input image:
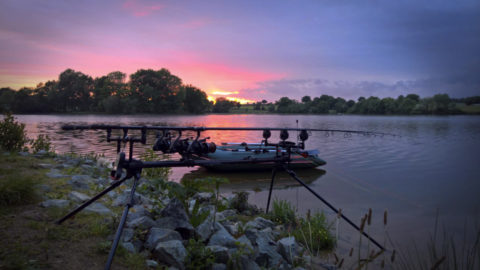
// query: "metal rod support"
[[87, 203], [118, 234], [274, 172], [294, 176]]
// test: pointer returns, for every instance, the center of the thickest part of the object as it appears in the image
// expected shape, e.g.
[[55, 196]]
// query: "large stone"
[[260, 223], [220, 253], [80, 181], [137, 211], [172, 253], [127, 234], [287, 247], [123, 198], [247, 263], [184, 227], [157, 235], [55, 203], [222, 238], [174, 209], [232, 228], [205, 229], [141, 223], [54, 173], [219, 266], [244, 241], [98, 208], [267, 255], [226, 215], [129, 247], [78, 197], [203, 196], [151, 264], [45, 165]]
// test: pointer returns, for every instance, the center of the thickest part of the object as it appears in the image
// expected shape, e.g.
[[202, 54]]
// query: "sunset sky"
[[252, 50]]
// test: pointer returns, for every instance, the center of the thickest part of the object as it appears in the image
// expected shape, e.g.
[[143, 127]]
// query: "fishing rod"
[[194, 152]]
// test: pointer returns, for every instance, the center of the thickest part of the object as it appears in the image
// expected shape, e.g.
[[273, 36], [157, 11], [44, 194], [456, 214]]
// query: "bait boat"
[[299, 159]]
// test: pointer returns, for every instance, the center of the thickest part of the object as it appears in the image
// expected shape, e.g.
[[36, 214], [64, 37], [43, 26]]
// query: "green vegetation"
[[12, 134], [282, 212], [199, 257], [159, 91]]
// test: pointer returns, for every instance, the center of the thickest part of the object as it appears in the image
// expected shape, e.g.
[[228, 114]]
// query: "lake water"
[[432, 168]]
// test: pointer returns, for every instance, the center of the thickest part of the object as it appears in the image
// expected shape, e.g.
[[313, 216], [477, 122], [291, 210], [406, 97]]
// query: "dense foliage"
[[159, 91], [13, 135], [147, 91]]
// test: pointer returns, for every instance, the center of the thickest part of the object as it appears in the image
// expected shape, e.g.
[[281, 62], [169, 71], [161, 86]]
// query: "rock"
[[185, 229], [172, 253], [41, 153], [137, 211], [127, 235], [174, 209], [259, 223], [157, 235], [151, 263], [225, 215], [142, 223], [44, 188], [244, 241], [45, 165], [247, 263], [205, 230], [203, 196], [98, 208], [287, 247], [54, 173], [123, 198], [101, 181], [266, 248], [55, 203], [78, 197], [220, 253], [232, 228], [23, 154], [191, 205], [80, 181], [129, 247], [221, 238], [219, 266]]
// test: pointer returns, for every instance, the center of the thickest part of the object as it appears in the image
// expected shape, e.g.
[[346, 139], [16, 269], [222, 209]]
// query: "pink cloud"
[[140, 8]]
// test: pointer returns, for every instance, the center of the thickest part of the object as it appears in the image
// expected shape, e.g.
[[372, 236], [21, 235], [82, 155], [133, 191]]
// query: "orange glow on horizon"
[[225, 93], [235, 99]]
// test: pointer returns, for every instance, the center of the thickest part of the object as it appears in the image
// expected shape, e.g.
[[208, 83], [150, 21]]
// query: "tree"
[[156, 91], [195, 100], [222, 105], [74, 91], [306, 99]]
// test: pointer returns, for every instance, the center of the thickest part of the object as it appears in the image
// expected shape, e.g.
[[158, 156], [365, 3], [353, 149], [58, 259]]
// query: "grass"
[[282, 212], [29, 238], [469, 109]]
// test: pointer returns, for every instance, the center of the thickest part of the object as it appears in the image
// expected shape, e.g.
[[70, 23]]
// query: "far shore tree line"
[[160, 92]]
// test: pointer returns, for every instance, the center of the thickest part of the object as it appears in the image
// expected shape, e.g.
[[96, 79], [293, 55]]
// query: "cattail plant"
[[339, 215], [362, 225]]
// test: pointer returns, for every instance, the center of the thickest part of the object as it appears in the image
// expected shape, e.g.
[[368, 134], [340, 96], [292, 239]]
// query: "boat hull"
[[305, 160]]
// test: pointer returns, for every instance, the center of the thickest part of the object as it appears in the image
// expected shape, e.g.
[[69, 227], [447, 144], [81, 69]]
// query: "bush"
[[314, 233], [42, 143], [16, 190], [12, 134], [199, 257], [282, 212]]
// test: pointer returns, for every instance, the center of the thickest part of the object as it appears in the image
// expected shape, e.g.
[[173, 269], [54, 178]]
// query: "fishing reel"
[[184, 146]]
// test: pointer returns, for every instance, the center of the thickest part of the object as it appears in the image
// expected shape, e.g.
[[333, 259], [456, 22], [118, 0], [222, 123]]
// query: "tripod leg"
[[274, 172], [118, 234], [294, 176], [87, 203]]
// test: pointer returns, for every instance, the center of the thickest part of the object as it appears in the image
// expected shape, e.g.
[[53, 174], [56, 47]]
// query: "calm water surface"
[[434, 167]]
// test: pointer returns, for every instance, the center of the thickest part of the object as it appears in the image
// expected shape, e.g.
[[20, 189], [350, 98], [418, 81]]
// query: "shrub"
[[12, 134], [16, 190], [282, 212], [314, 233], [199, 257], [42, 143]]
